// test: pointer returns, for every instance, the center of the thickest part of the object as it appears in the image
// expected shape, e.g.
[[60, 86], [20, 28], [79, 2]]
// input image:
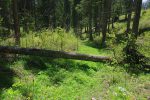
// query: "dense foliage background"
[[119, 29]]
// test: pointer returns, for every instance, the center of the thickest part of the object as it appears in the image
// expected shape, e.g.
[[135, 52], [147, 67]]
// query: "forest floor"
[[36, 78]]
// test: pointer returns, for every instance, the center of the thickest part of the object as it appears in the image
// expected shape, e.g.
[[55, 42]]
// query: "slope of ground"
[[36, 78], [47, 79]]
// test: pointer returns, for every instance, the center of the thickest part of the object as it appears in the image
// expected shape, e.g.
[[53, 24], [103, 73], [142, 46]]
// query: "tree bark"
[[129, 10], [112, 20], [52, 54], [75, 16], [16, 23], [90, 21], [128, 22], [138, 4], [67, 13], [105, 16], [95, 18]]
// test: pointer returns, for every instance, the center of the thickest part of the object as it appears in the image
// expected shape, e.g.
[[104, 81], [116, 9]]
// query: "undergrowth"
[[57, 39], [41, 78], [36, 78]]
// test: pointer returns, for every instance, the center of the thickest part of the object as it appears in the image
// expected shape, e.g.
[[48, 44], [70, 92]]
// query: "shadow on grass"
[[37, 64], [6, 75], [144, 30], [97, 46], [137, 70], [121, 38], [55, 68], [91, 44]]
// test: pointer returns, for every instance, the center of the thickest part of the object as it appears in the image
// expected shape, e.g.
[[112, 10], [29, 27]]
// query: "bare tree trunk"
[[138, 4], [16, 23], [129, 10], [128, 22], [112, 20], [105, 16], [53, 54], [95, 18], [75, 16], [90, 20], [67, 14]]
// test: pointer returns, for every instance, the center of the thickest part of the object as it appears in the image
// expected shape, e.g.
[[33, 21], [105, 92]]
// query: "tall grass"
[[145, 19], [57, 39]]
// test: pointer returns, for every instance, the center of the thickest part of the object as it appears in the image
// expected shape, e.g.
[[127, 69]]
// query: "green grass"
[[36, 78], [87, 47], [56, 39], [40, 78]]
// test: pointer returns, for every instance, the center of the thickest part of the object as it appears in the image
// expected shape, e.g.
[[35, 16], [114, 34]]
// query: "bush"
[[133, 57]]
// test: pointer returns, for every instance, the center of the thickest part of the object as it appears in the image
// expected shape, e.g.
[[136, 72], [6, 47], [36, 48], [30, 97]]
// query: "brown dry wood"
[[52, 54]]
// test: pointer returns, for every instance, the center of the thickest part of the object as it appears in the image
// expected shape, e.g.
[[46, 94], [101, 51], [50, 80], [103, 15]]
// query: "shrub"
[[133, 57]]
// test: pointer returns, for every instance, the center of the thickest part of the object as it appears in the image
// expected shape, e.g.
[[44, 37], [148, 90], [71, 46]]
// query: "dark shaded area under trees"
[[90, 15]]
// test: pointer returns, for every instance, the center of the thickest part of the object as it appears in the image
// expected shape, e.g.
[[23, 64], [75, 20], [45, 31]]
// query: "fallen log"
[[52, 54]]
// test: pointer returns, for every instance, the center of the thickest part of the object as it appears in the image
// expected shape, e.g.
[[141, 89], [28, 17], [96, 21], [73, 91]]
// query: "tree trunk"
[[53, 54], [67, 14], [75, 16], [16, 23], [35, 16], [112, 20], [95, 18], [129, 10], [138, 4], [105, 15], [128, 23], [90, 20], [54, 14]]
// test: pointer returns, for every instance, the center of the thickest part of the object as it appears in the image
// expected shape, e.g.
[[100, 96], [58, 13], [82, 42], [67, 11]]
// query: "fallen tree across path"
[[52, 54]]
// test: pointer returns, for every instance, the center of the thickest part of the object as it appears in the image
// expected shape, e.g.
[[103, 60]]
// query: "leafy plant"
[[133, 57]]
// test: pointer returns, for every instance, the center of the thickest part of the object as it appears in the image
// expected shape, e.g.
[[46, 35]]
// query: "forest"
[[74, 49]]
